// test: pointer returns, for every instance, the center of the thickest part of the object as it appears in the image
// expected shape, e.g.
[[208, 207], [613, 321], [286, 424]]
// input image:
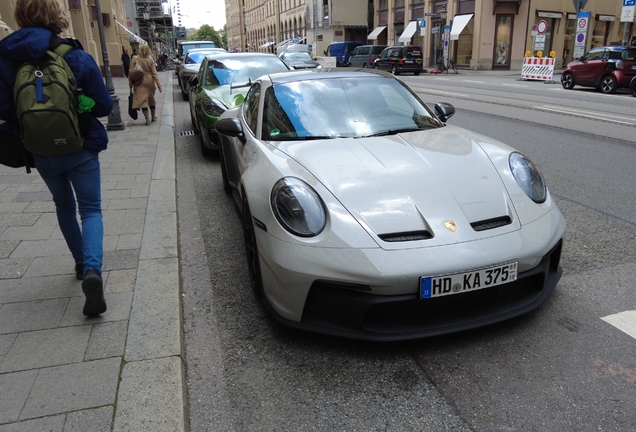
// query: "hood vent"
[[406, 236], [489, 224]]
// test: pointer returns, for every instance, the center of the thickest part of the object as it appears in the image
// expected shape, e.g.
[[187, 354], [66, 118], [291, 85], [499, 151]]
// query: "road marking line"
[[426, 90], [624, 321], [514, 85], [597, 116], [472, 81]]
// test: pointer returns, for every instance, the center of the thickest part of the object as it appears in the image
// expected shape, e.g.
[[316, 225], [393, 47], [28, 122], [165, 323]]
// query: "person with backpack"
[[71, 174], [144, 89]]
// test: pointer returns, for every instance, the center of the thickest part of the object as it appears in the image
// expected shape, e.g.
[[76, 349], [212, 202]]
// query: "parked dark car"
[[364, 55], [341, 51], [606, 68], [398, 59]]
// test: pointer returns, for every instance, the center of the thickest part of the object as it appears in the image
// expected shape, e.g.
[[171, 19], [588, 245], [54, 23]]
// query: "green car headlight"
[[212, 107]]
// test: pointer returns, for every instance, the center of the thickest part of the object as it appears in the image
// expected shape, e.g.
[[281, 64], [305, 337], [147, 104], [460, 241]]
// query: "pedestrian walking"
[[144, 89], [125, 61], [73, 179]]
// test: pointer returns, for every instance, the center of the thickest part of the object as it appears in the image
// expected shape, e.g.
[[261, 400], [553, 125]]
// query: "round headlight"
[[298, 208], [529, 177], [212, 108]]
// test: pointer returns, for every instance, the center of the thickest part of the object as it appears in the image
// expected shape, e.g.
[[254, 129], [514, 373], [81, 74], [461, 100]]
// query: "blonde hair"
[[41, 13], [144, 51]]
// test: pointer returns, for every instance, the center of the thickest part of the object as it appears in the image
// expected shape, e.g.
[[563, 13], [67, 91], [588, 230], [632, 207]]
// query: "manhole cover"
[[188, 133]]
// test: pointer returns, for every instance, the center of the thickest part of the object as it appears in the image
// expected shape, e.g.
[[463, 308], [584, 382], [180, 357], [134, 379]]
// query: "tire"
[[608, 84], [185, 96], [394, 70], [416, 73], [567, 81], [632, 87], [204, 150], [251, 249], [364, 65]]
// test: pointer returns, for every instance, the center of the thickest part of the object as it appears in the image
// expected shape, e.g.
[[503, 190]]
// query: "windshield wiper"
[[305, 138], [390, 132]]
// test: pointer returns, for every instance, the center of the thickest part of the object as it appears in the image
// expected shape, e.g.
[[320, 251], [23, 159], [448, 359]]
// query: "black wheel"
[[632, 87], [567, 81], [608, 84], [251, 249], [226, 184], [364, 65], [394, 70], [416, 73], [185, 96]]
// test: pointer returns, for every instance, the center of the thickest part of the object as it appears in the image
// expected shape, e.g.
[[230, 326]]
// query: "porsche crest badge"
[[450, 225]]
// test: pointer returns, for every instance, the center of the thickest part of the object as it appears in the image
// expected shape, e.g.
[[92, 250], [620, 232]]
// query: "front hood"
[[412, 182], [228, 97]]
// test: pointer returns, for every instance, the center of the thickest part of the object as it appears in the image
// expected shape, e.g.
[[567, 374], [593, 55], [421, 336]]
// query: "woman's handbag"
[[137, 74], [131, 111]]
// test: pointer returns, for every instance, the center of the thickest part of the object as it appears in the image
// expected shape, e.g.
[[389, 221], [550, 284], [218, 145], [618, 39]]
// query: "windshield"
[[301, 56], [343, 107], [221, 71], [195, 58]]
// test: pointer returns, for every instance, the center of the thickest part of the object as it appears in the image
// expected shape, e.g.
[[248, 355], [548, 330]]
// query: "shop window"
[[465, 44], [568, 44], [503, 40]]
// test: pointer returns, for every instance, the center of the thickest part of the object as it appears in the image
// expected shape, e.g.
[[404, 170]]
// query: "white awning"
[[409, 31], [459, 22], [137, 38], [375, 33]]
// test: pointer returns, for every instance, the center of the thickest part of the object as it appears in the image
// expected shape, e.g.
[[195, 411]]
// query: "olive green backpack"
[[46, 100]]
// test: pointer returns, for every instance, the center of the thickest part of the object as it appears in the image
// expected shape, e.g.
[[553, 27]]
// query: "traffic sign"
[[629, 2], [542, 27]]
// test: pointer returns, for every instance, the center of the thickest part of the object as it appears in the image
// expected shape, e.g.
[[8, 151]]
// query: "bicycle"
[[450, 65]]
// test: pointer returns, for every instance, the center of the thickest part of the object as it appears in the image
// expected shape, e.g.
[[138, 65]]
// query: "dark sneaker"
[[94, 290], [79, 271]]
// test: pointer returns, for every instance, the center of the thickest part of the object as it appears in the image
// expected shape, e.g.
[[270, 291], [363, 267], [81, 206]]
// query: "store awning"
[[135, 37], [376, 32], [409, 31], [459, 22]]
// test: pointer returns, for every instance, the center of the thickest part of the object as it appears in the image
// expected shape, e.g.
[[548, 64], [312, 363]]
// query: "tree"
[[207, 33]]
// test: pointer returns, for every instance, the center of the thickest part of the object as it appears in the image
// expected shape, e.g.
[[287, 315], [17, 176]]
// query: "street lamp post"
[[114, 117]]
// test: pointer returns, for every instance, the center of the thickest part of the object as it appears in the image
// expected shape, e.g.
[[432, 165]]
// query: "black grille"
[[406, 236], [489, 224]]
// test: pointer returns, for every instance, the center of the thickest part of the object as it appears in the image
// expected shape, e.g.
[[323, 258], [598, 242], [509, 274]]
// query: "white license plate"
[[408, 61], [458, 283]]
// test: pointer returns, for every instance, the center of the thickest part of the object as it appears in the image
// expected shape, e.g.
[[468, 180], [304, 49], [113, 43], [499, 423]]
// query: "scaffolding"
[[156, 26]]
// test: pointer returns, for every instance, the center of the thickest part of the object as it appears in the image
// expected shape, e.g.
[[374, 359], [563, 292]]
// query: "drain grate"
[[188, 133]]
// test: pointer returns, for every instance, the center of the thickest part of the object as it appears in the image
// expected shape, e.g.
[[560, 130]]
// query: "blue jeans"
[[78, 173]]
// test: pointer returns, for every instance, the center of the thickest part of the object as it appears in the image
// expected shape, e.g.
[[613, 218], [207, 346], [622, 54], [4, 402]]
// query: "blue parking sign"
[[629, 2]]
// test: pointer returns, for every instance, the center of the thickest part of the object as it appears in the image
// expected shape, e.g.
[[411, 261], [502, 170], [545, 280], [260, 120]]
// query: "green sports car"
[[221, 84]]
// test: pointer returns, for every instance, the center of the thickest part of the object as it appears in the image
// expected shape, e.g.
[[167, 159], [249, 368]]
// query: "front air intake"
[[489, 224], [406, 236]]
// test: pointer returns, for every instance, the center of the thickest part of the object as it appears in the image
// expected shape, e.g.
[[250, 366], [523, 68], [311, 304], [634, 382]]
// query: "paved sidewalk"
[[122, 371]]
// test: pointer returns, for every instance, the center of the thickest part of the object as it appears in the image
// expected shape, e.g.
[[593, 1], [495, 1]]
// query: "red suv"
[[606, 68]]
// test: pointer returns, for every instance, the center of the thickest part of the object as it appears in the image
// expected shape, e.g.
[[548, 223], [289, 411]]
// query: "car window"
[[615, 55], [396, 52], [384, 53], [342, 107], [377, 49], [226, 70], [250, 107], [195, 58], [594, 54], [629, 55]]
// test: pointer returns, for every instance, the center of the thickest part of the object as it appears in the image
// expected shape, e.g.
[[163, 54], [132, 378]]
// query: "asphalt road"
[[560, 368]]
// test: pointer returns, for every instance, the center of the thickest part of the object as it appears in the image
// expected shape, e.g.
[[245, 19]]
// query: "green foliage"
[[208, 33]]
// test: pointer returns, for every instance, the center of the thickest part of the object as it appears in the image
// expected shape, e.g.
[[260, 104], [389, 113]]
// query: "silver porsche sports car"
[[366, 216]]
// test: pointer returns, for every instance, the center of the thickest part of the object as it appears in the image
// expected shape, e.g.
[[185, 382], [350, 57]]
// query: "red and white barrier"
[[538, 68]]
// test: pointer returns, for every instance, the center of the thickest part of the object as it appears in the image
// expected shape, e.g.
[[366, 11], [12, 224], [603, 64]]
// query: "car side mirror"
[[444, 111], [194, 81], [230, 126]]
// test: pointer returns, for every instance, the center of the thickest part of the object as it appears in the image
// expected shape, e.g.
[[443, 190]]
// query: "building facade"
[[481, 34], [125, 26]]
